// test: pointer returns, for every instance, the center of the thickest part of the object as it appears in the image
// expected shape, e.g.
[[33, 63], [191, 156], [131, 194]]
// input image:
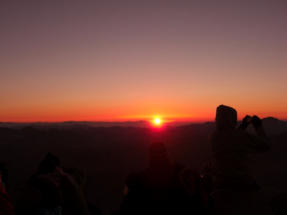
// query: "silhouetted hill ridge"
[[274, 126]]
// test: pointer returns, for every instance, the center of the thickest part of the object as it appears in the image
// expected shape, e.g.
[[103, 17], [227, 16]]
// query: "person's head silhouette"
[[226, 118]]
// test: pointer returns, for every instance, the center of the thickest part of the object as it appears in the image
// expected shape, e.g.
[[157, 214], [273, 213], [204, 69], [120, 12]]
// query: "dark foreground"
[[109, 155]]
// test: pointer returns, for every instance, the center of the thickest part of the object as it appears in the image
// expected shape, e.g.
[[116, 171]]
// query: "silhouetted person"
[[47, 181], [61, 191], [160, 188], [235, 188]]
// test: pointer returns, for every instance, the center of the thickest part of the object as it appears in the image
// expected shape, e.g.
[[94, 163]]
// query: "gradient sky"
[[125, 60]]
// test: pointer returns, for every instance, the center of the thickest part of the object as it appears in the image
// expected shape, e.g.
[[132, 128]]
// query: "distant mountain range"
[[68, 124], [272, 125]]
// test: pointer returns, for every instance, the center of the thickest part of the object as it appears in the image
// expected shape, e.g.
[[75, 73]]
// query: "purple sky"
[[114, 60]]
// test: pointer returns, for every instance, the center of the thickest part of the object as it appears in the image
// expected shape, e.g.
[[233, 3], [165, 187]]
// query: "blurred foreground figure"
[[236, 191], [163, 188], [61, 190], [6, 207]]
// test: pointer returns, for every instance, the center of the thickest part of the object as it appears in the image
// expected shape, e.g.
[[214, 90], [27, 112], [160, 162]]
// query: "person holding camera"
[[236, 190]]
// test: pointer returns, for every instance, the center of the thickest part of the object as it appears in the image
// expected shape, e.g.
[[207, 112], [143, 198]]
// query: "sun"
[[157, 121]]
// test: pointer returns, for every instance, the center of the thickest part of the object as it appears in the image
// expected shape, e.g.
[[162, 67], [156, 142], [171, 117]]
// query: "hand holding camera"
[[245, 122], [254, 120]]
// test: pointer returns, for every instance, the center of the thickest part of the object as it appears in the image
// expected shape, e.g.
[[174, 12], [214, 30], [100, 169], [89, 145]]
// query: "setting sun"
[[157, 121]]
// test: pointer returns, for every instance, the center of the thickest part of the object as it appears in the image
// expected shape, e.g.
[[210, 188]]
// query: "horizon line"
[[168, 121], [103, 121]]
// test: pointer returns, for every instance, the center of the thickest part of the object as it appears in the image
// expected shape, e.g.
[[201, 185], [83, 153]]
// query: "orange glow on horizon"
[[67, 112]]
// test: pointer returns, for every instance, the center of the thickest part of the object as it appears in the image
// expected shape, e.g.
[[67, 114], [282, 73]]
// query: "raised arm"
[[259, 142]]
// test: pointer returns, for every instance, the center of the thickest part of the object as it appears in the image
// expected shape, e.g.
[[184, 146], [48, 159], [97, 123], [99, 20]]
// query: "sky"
[[130, 60]]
